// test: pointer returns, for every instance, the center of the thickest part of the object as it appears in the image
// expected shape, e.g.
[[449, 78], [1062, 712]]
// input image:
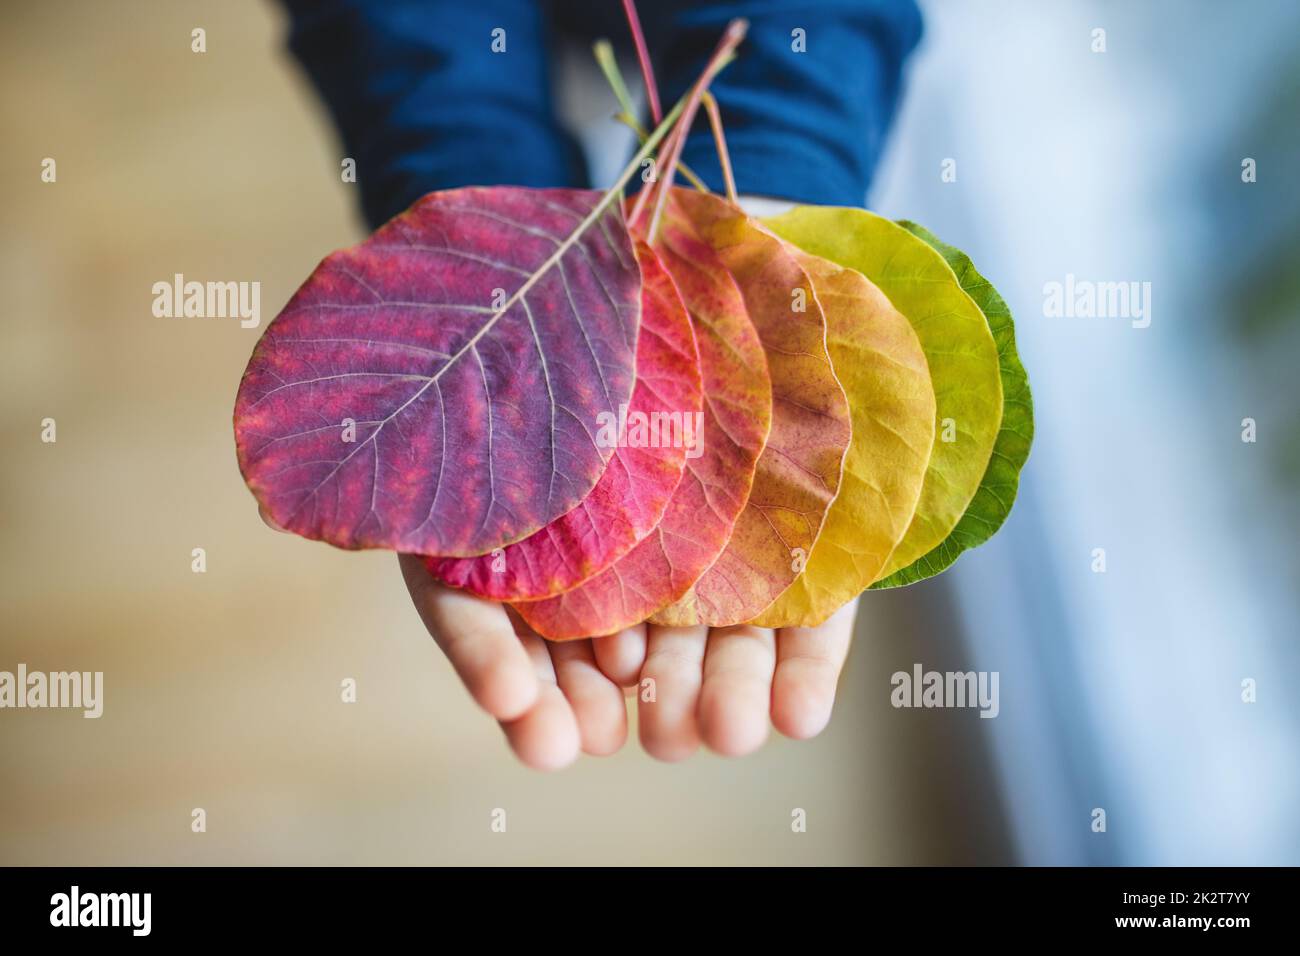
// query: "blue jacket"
[[422, 102]]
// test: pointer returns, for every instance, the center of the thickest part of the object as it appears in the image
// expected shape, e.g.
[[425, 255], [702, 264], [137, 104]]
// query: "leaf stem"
[[639, 206], [646, 149], [643, 56], [731, 38], [719, 138], [686, 171], [604, 53], [603, 50]]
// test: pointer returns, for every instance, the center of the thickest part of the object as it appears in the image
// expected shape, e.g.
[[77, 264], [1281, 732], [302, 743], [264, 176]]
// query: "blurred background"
[[1120, 690]]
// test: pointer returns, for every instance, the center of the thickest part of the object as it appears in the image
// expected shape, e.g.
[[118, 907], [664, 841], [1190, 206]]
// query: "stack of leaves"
[[605, 410]]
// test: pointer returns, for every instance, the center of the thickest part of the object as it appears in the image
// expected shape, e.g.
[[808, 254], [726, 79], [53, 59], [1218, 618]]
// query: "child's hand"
[[551, 698], [554, 699], [719, 685]]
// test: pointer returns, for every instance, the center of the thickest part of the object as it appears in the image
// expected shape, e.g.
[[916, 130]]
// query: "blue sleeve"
[[807, 126], [422, 102]]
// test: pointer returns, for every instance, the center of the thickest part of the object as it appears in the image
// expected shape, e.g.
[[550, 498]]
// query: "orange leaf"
[[798, 473]]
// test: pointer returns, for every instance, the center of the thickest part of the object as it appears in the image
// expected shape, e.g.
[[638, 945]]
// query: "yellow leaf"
[[880, 364]]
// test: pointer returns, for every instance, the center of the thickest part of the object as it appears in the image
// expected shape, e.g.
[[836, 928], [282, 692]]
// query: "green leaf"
[[958, 346], [992, 502]]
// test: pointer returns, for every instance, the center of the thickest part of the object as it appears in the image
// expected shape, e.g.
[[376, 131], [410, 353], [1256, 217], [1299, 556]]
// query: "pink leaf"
[[630, 497], [714, 487]]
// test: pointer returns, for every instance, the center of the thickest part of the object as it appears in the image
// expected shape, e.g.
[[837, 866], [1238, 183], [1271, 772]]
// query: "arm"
[[422, 102], [802, 125]]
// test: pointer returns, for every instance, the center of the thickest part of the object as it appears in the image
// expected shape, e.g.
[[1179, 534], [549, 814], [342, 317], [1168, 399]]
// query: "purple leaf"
[[435, 389]]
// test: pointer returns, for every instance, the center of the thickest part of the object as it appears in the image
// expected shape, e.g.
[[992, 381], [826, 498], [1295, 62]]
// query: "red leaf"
[[631, 496], [714, 487], [472, 340]]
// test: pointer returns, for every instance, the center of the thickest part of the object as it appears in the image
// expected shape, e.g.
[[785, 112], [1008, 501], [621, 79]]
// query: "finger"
[[808, 665], [621, 655], [737, 693], [479, 641], [674, 664], [546, 737], [597, 702]]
